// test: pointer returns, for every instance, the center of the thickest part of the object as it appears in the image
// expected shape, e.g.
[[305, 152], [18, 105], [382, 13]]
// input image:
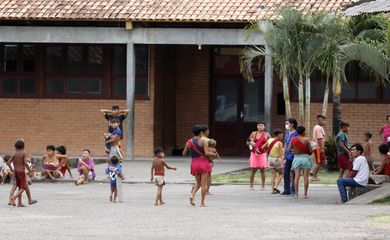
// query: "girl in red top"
[[257, 143], [63, 160], [384, 168]]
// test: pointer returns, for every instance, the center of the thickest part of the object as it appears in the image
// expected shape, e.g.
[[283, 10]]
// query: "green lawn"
[[382, 201], [325, 176], [381, 219]]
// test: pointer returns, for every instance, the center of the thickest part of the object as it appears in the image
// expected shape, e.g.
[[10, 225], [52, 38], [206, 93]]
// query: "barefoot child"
[[63, 161], [18, 165], [158, 173], [113, 171], [86, 168], [368, 149], [275, 158], [50, 163], [7, 170]]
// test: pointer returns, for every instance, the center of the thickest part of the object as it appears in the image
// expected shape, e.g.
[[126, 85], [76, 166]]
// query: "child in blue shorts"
[[113, 171]]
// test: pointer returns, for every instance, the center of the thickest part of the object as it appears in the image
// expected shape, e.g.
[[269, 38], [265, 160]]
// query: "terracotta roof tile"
[[158, 10]]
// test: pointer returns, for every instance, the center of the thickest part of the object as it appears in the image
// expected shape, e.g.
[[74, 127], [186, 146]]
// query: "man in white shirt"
[[358, 175]]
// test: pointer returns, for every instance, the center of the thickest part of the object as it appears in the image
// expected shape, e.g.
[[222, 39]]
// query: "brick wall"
[[77, 124], [192, 90]]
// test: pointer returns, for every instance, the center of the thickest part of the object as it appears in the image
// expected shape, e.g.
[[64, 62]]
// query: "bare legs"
[[159, 196], [84, 176], [208, 184], [275, 180], [305, 181], [201, 182], [315, 171], [252, 178]]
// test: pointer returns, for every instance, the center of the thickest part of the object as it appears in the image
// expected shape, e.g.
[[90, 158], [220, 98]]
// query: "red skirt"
[[200, 165]]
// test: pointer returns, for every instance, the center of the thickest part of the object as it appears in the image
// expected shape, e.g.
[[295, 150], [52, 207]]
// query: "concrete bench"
[[357, 191], [38, 163]]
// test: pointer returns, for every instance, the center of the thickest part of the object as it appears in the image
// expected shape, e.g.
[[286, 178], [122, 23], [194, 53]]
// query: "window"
[[18, 71], [141, 71], [74, 70]]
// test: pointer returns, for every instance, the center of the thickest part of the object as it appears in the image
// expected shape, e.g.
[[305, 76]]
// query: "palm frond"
[[247, 57]]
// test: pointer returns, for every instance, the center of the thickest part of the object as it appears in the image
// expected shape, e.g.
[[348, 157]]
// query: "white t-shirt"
[[361, 166], [318, 133]]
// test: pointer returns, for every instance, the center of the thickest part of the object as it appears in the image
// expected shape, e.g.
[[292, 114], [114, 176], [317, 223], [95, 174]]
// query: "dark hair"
[[261, 122], [293, 121], [301, 130], [368, 134], [383, 149], [277, 132], [7, 157], [115, 107], [114, 160], [321, 116], [19, 144], [61, 149], [196, 130], [157, 150], [358, 147], [344, 124], [86, 150], [50, 147], [387, 117], [114, 120], [204, 128]]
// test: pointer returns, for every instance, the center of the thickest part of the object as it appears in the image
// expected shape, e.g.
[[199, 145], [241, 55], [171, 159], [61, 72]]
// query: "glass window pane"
[[95, 59], [367, 90], [74, 59], [254, 101], [386, 92], [348, 91], [75, 86], [54, 59], [10, 85], [93, 86], [119, 60], [27, 86], [141, 86], [120, 87], [141, 59], [55, 85], [10, 58], [226, 100], [29, 52]]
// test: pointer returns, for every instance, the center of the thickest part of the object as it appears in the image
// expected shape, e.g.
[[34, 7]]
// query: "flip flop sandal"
[[33, 202]]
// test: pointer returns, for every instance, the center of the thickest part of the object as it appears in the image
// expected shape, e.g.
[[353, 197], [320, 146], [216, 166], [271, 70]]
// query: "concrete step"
[[381, 191]]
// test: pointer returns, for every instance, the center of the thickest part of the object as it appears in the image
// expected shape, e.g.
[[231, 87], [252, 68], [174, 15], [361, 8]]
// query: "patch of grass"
[[381, 219], [381, 201], [325, 176]]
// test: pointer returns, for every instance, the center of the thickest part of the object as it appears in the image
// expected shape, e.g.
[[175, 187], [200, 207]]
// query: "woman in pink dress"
[[257, 143], [200, 162], [385, 131]]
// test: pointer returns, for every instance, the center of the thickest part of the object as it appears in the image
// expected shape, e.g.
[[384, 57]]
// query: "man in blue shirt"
[[291, 125]]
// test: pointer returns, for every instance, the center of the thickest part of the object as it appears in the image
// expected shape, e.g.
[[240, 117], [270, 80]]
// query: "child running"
[[18, 165], [158, 172], [113, 171]]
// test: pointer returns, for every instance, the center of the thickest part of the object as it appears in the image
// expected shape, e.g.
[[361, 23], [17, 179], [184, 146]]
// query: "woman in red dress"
[[63, 160], [200, 162], [257, 143]]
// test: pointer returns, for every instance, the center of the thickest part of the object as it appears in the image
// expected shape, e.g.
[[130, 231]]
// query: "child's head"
[[86, 153], [261, 125], [50, 149], [301, 130], [115, 109], [19, 144], [114, 123], [114, 160], [357, 150], [344, 126], [278, 133], [159, 152], [204, 130], [383, 149], [7, 157], [388, 119], [61, 150], [367, 136], [321, 119], [212, 143], [196, 130]]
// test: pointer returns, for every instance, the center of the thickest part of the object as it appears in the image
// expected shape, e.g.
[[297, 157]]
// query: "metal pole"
[[268, 82], [130, 96]]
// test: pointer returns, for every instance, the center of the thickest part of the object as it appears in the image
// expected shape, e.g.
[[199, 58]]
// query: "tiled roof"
[[369, 7], [157, 10]]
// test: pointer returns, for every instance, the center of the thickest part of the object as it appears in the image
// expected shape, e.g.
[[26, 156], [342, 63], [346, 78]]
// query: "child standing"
[[158, 172], [275, 158], [344, 162], [18, 164], [367, 146], [113, 171]]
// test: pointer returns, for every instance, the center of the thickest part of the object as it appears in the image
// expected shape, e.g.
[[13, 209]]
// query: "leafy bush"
[[331, 153]]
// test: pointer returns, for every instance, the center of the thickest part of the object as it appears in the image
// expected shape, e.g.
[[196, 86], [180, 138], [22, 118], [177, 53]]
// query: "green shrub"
[[331, 153]]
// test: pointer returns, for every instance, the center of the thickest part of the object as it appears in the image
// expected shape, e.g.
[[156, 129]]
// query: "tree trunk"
[[307, 99], [336, 102], [326, 98], [286, 95], [301, 100]]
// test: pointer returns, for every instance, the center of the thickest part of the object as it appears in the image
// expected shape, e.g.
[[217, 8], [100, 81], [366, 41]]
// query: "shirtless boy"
[[18, 165], [114, 140], [50, 163], [158, 172]]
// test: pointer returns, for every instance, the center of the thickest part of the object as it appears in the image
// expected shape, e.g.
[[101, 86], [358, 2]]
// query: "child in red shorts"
[[344, 162]]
